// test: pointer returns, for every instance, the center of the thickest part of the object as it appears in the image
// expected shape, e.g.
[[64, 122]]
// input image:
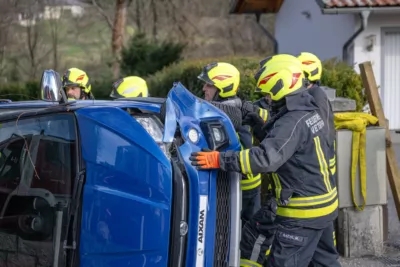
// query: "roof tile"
[[360, 3]]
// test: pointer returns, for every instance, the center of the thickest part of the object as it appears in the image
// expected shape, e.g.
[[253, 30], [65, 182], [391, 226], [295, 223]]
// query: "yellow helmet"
[[77, 77], [279, 78], [132, 86], [280, 58], [312, 66], [223, 76]]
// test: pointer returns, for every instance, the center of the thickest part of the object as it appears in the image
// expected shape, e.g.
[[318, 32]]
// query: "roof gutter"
[[352, 10], [269, 35], [364, 21]]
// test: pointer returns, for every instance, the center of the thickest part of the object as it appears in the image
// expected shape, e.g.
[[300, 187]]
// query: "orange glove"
[[206, 159]]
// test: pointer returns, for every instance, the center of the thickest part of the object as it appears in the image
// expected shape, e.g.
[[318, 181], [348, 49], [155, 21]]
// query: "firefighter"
[[131, 86], [294, 152], [221, 84], [77, 85], [312, 68]]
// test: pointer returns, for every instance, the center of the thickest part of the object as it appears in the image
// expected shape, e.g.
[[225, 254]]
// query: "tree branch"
[[103, 13], [186, 18]]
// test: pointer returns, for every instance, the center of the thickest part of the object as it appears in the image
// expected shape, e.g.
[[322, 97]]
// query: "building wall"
[[323, 35], [389, 89], [361, 54]]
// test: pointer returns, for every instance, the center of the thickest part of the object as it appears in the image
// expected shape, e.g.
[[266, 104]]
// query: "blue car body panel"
[[190, 111], [127, 194]]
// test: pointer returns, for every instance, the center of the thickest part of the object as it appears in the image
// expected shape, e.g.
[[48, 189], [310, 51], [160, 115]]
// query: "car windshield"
[[37, 166]]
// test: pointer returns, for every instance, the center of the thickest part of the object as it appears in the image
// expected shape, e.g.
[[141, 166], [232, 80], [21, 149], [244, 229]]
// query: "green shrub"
[[187, 72], [20, 91], [336, 75], [101, 89], [143, 57], [345, 80]]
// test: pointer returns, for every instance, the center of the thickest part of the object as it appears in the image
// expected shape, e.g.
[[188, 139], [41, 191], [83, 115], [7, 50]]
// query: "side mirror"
[[51, 87]]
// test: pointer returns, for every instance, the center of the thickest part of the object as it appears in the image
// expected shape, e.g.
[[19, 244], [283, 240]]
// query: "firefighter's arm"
[[281, 143]]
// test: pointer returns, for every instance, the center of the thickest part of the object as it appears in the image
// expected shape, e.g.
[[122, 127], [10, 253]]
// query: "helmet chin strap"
[[276, 106], [216, 97], [83, 95]]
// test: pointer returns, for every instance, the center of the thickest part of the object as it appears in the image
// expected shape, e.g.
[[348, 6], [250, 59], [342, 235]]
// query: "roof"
[[12, 110], [358, 3], [255, 6]]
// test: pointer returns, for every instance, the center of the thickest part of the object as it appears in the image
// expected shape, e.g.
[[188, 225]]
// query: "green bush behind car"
[[336, 75]]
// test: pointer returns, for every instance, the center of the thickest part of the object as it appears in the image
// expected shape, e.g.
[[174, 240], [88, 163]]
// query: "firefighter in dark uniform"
[[221, 84], [295, 152], [312, 68]]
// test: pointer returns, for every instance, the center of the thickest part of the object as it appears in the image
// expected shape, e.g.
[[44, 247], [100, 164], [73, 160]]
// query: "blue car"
[[109, 183]]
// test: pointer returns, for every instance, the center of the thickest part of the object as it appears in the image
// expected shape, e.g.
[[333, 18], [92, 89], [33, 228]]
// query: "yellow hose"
[[357, 122]]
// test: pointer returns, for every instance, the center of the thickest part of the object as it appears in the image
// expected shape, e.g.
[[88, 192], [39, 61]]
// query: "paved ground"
[[391, 256]]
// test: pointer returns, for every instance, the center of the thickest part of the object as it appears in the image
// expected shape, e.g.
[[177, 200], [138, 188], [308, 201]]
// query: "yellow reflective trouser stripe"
[[322, 163], [263, 114], [267, 252], [251, 182], [334, 238], [248, 263], [278, 186], [312, 201], [245, 161], [307, 213]]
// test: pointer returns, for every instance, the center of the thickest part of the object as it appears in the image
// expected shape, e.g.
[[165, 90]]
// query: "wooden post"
[[375, 105]]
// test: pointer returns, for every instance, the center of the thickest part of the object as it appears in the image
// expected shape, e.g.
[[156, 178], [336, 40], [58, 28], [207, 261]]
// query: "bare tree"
[[138, 17], [37, 50], [54, 25], [118, 32], [8, 14], [155, 19], [117, 25]]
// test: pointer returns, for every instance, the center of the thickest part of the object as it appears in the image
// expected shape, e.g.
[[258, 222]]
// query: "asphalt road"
[[391, 256]]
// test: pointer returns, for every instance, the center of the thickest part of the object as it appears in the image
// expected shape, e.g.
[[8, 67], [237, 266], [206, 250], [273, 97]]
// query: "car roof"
[[12, 110]]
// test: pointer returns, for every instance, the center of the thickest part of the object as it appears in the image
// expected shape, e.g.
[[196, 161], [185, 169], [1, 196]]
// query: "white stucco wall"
[[323, 35], [390, 96], [375, 23]]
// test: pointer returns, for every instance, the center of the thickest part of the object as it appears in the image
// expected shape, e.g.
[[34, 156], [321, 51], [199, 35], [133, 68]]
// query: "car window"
[[37, 169]]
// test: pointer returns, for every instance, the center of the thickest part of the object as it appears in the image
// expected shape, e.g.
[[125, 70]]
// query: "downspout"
[[269, 35], [364, 21]]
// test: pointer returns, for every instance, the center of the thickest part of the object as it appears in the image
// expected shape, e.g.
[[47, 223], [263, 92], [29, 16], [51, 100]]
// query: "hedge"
[[336, 75]]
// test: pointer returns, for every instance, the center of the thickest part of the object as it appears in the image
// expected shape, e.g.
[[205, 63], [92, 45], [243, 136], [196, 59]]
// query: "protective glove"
[[248, 107], [205, 159], [253, 119], [265, 217]]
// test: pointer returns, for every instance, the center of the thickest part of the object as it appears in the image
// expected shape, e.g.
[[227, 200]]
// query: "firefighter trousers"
[[251, 203], [295, 246], [258, 234]]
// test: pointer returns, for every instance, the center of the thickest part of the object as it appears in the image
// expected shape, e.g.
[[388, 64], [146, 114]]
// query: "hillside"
[[205, 26]]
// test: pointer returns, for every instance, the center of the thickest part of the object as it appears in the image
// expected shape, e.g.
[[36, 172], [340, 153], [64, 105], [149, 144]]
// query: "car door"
[[126, 208]]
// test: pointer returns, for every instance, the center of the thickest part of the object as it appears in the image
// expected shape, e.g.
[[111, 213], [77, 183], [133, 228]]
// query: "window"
[[37, 169]]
